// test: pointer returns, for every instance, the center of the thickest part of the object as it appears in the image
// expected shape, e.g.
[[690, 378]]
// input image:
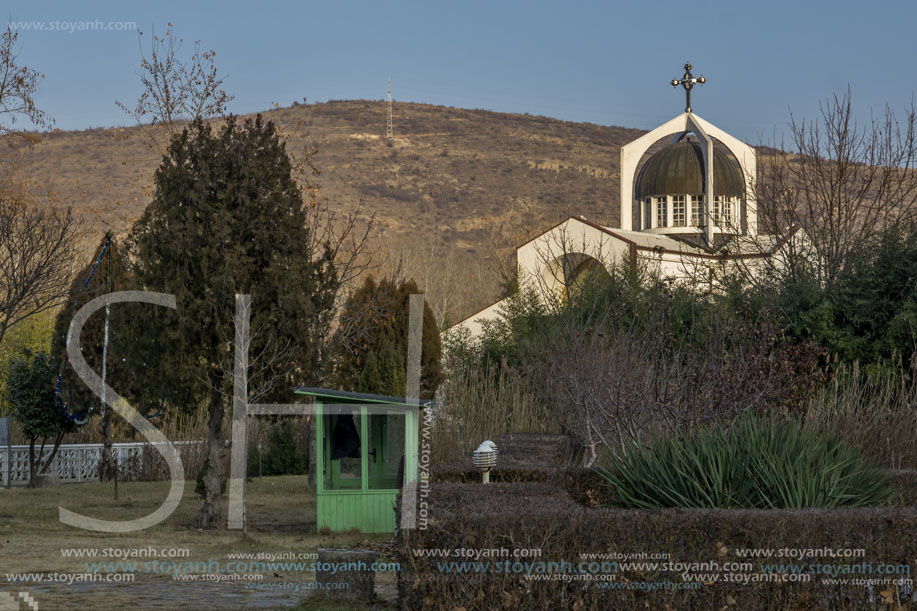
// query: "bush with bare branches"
[[625, 356], [842, 182], [36, 257]]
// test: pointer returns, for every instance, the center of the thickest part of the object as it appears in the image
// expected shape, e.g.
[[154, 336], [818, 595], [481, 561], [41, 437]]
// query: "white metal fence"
[[80, 462]]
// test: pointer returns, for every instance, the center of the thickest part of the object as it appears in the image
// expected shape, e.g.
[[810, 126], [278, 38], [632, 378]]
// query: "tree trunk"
[[47, 464], [591, 443], [214, 476]]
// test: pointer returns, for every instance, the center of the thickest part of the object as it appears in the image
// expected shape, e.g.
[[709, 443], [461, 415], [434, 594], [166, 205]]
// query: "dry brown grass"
[[877, 413], [281, 514], [476, 406], [449, 178]]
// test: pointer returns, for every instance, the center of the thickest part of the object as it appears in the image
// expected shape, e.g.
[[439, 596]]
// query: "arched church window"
[[584, 276]]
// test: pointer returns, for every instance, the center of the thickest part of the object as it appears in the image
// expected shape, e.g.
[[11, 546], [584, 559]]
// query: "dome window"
[[719, 203], [724, 211], [728, 207], [662, 212], [697, 210], [678, 211], [671, 188]]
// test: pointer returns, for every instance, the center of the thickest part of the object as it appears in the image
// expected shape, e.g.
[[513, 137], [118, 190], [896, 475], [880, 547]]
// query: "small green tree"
[[870, 315], [383, 372], [30, 394], [372, 353]]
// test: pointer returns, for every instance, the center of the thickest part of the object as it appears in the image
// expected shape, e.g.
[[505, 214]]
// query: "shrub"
[[624, 355], [477, 403], [759, 463], [282, 455], [31, 398], [868, 314]]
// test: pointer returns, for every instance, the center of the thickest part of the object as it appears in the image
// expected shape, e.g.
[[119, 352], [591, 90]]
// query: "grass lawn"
[[281, 517]]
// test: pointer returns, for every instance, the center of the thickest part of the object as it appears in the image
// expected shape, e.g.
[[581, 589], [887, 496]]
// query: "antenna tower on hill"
[[388, 128]]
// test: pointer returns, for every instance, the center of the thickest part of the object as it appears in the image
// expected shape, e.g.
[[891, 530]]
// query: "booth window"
[[386, 450], [344, 450]]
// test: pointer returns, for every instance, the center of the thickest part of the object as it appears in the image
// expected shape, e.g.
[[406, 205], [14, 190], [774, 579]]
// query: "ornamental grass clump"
[[757, 462]]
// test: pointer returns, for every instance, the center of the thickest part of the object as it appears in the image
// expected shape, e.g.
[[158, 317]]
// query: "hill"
[[450, 192]]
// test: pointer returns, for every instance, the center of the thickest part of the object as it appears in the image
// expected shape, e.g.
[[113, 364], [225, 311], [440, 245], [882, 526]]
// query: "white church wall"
[[540, 262], [474, 324]]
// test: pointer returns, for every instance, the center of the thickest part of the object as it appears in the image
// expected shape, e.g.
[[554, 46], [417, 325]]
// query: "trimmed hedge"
[[546, 515], [904, 485], [585, 486]]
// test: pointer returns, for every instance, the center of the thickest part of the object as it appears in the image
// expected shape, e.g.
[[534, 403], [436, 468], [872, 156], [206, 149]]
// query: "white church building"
[[678, 235]]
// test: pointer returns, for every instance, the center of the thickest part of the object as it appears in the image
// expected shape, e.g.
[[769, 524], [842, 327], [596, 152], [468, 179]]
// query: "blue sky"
[[603, 62]]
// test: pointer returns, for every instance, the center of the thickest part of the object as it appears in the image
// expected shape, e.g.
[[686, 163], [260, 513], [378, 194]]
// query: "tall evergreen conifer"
[[228, 218], [373, 349]]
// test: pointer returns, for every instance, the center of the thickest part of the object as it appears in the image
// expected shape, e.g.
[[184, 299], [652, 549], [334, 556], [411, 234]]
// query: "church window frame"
[[719, 204], [697, 210], [729, 212], [679, 210], [662, 211]]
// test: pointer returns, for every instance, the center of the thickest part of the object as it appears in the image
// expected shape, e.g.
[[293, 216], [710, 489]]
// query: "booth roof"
[[343, 396]]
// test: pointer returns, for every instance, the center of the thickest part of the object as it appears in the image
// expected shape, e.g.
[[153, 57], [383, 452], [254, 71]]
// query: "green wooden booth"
[[366, 447]]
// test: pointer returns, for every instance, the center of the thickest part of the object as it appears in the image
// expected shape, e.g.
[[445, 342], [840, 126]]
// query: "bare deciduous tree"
[[36, 257], [452, 286], [175, 90], [843, 182], [36, 236], [17, 88], [621, 385]]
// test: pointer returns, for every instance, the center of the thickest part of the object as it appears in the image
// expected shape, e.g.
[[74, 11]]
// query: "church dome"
[[679, 168]]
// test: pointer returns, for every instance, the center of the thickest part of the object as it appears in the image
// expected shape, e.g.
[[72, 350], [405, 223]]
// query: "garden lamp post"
[[485, 459]]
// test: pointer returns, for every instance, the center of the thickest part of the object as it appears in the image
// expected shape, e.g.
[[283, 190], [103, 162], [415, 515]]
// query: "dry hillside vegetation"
[[451, 185]]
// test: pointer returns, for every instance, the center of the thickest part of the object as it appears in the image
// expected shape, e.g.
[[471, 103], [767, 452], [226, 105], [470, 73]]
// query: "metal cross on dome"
[[688, 81]]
